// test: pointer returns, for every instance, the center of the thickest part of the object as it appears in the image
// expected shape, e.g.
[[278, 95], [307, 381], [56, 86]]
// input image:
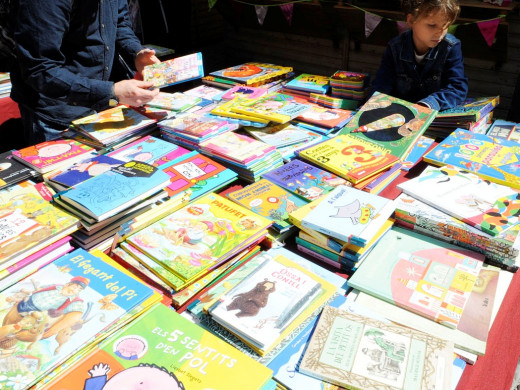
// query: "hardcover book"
[[271, 201], [174, 71], [12, 171], [325, 117], [493, 159], [309, 83], [426, 276], [304, 179], [177, 101], [472, 109], [253, 73], [163, 350], [226, 110], [280, 135], [490, 207], [245, 92], [51, 155], [501, 129], [350, 157], [206, 92], [198, 126], [392, 123], [380, 355], [65, 306], [147, 149], [350, 215], [420, 148]]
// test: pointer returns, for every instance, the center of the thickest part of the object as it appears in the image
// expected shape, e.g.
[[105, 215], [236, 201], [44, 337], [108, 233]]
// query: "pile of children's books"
[[349, 85]]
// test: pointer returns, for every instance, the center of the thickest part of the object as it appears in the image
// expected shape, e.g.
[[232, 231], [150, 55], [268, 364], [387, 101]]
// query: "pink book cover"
[[237, 147], [244, 91], [44, 155]]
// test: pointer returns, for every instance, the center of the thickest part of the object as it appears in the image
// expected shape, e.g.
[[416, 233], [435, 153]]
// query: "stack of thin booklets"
[[13, 171], [323, 120], [251, 74], [349, 85], [305, 84], [248, 157], [177, 102]]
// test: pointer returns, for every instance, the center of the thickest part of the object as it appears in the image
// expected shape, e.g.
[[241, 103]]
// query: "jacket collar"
[[408, 49]]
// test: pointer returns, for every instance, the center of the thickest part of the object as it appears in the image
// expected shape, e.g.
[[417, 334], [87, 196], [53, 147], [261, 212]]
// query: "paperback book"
[[253, 73], [197, 127], [13, 171], [244, 91], [279, 135], [472, 109], [176, 101], [309, 83], [325, 117], [501, 129], [174, 71], [146, 149]]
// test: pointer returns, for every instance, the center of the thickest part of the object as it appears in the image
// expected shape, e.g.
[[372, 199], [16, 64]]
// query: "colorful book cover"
[[60, 309], [350, 157], [252, 73], [490, 207], [382, 180], [289, 152], [236, 147], [163, 350], [494, 159], [146, 149], [112, 124], [197, 173], [325, 117], [279, 135], [111, 192], [263, 305], [245, 92], [420, 148], [174, 71], [199, 235], [28, 221], [275, 107], [50, 155], [501, 129], [226, 110], [12, 171], [392, 123], [349, 80], [198, 126], [176, 101], [309, 83], [206, 92], [426, 276], [381, 355], [305, 180], [350, 215], [267, 199], [472, 109]]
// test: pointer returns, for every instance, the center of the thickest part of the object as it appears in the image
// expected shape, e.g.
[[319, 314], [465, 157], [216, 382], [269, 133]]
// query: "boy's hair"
[[424, 7]]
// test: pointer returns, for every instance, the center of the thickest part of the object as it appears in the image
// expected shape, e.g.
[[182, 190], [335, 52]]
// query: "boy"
[[424, 64]]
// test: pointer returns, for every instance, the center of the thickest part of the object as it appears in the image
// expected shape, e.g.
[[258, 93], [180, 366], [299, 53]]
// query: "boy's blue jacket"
[[439, 81]]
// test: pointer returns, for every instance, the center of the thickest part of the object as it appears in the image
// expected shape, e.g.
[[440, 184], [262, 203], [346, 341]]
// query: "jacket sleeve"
[[386, 74], [454, 82]]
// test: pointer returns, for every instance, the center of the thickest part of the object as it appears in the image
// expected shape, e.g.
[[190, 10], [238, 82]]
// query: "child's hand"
[[145, 57]]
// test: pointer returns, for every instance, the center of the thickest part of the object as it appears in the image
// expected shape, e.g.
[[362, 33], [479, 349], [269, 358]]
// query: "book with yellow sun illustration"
[[390, 122]]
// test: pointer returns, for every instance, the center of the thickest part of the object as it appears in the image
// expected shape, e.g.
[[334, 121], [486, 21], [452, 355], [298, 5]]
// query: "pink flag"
[[287, 10], [371, 22], [488, 28], [261, 11], [402, 27]]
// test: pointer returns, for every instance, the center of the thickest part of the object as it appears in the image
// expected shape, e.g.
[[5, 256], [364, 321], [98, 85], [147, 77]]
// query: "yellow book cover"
[[225, 109]]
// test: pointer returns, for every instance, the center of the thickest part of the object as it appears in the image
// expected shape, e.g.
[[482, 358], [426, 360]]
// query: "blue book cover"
[[419, 149], [111, 192], [502, 129], [62, 308], [309, 83], [145, 149]]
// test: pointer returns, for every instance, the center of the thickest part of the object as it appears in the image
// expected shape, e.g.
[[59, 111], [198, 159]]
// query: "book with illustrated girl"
[[174, 71]]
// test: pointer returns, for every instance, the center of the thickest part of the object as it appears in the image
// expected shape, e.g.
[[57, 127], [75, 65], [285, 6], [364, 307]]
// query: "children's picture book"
[[421, 274], [225, 110], [501, 129], [113, 191], [350, 215], [146, 149], [198, 126], [51, 155], [244, 91], [490, 207], [252, 73], [390, 122], [206, 92], [29, 221], [325, 117], [163, 350], [174, 71], [279, 135], [200, 235], [352, 158], [267, 199], [176, 101], [380, 355], [420, 148], [75, 301], [305, 180], [275, 107], [309, 83], [13, 171], [263, 305], [472, 109], [493, 159]]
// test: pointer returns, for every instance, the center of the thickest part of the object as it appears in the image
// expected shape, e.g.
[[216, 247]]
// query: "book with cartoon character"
[[390, 122], [325, 117], [494, 159], [163, 350], [490, 207], [60, 309], [197, 127], [350, 215], [309, 83], [13, 171], [176, 101], [147, 149], [270, 200], [175, 71], [357, 352], [253, 73], [268, 301], [421, 274], [200, 236], [279, 135]]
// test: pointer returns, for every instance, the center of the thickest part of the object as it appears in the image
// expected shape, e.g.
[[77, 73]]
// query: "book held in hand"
[[174, 71]]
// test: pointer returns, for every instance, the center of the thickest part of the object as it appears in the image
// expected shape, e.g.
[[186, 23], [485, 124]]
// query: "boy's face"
[[428, 30]]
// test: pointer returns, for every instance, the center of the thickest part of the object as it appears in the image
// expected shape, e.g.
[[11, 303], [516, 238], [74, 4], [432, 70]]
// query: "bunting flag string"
[[287, 10], [261, 12]]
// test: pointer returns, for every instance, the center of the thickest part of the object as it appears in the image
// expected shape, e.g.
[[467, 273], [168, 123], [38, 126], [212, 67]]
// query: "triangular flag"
[[402, 27], [453, 28], [287, 10], [488, 28], [211, 3], [261, 11], [371, 22]]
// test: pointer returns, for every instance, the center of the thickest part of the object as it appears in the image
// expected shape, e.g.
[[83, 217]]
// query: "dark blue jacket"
[[439, 82], [65, 52]]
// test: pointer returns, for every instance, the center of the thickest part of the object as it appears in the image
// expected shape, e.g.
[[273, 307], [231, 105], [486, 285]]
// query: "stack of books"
[[324, 120], [252, 74], [349, 85], [305, 84], [12, 171], [280, 135], [5, 84], [177, 102]]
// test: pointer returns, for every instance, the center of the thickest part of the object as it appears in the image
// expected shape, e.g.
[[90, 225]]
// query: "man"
[[65, 54]]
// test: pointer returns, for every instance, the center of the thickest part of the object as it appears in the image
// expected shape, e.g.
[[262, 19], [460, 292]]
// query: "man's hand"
[[134, 92], [145, 57]]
